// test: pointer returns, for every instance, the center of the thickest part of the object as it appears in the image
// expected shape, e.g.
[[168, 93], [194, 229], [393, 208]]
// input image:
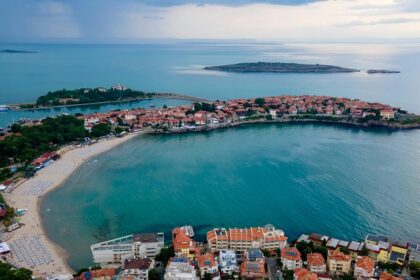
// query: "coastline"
[[25, 195], [175, 96]]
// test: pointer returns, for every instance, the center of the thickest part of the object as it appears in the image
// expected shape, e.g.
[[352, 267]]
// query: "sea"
[[339, 181]]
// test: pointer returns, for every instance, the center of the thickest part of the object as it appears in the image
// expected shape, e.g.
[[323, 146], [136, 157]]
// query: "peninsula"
[[279, 67]]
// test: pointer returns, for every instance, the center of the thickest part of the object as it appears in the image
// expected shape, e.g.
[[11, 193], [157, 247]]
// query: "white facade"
[[318, 268], [291, 264], [180, 270], [118, 250], [228, 262]]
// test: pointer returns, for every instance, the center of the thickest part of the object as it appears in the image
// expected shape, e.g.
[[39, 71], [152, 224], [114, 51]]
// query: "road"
[[272, 268]]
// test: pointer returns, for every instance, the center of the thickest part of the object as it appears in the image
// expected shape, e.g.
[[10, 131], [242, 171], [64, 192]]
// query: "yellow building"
[[338, 263], [383, 249]]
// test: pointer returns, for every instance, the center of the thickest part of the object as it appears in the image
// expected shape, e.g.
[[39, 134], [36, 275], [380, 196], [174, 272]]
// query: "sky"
[[273, 20]]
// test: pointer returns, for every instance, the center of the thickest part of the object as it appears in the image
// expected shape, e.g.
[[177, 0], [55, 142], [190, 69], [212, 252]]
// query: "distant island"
[[15, 51], [279, 67], [382, 72]]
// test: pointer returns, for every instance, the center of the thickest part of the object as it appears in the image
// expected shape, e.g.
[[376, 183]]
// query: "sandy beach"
[[30, 246]]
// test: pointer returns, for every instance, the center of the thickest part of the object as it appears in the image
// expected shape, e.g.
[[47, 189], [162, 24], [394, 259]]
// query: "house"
[[364, 268], [316, 263], [356, 248], [338, 263], [118, 250], [208, 265], [241, 239], [138, 268], [7, 184], [253, 265], [414, 252], [387, 114], [179, 268], [304, 274], [399, 251], [148, 245], [318, 239], [387, 276], [183, 243], [385, 249], [291, 258], [227, 262], [45, 159]]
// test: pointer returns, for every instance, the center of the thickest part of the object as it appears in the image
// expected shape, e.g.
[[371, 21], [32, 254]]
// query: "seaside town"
[[62, 144], [202, 116]]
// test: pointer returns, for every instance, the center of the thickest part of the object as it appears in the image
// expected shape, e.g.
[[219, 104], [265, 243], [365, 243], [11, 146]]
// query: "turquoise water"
[[176, 68], [10, 117], [303, 178], [338, 181]]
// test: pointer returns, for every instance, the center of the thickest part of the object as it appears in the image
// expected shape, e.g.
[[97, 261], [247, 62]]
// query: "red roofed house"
[[208, 265], [183, 244], [316, 263], [253, 265], [338, 263], [387, 276], [291, 258], [364, 268], [241, 239], [304, 274], [138, 268]]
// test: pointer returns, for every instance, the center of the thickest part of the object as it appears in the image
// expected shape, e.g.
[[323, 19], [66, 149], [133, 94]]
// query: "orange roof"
[[206, 260], [304, 274], [315, 259], [338, 256], [387, 276], [365, 263], [291, 253], [181, 239]]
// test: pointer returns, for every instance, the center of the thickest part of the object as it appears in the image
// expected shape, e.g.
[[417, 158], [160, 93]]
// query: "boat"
[[152, 105], [3, 108]]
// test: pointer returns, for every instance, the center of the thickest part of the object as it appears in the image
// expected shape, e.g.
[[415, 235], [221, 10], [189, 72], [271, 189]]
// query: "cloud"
[[379, 22], [282, 20], [168, 3]]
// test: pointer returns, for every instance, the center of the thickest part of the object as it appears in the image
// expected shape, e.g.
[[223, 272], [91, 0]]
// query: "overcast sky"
[[278, 20]]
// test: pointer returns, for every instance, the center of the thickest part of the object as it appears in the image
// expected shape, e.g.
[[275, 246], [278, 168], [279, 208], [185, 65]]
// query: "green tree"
[[7, 272], [154, 274], [260, 101], [101, 129], [118, 130], [165, 254], [347, 277], [207, 276]]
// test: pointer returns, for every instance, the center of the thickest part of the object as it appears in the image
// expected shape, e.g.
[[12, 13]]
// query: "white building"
[[227, 262], [118, 250], [291, 258], [180, 269]]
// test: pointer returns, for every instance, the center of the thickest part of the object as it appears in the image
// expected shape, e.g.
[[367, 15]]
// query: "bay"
[[337, 181]]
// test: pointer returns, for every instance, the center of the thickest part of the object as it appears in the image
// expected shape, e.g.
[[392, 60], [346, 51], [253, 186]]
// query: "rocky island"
[[280, 67], [382, 72], [15, 51]]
